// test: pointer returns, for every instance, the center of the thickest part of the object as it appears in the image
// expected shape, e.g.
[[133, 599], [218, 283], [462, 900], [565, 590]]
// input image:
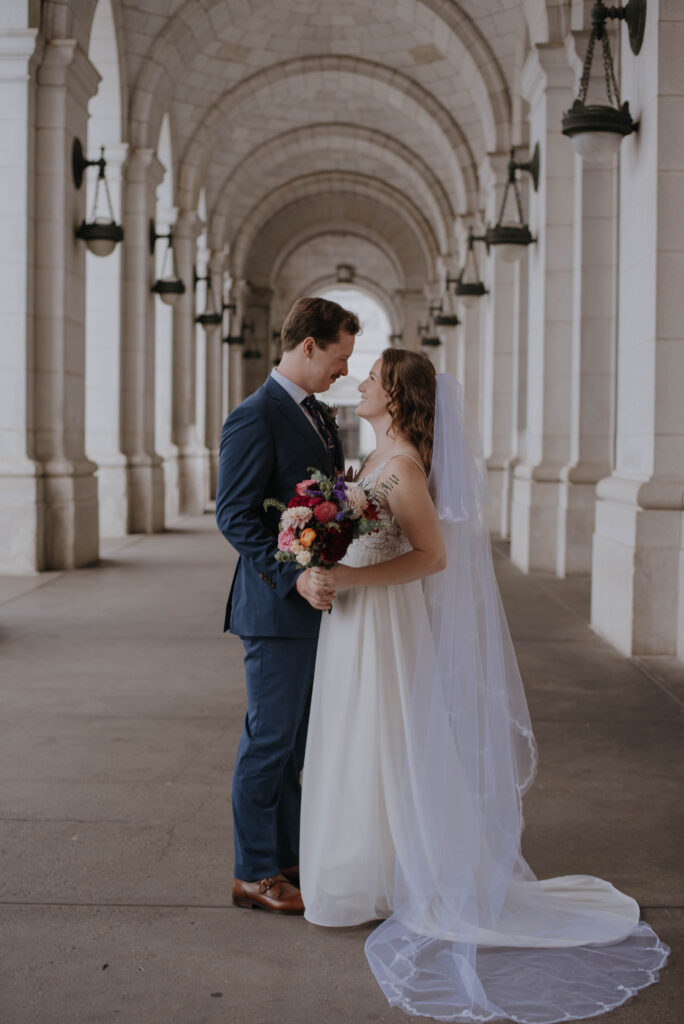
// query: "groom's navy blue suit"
[[267, 445]]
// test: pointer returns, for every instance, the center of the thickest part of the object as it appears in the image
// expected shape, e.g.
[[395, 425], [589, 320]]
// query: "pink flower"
[[357, 499], [294, 517], [302, 487], [285, 538]]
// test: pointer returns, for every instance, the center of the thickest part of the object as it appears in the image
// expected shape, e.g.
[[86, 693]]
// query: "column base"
[[71, 530], [111, 493], [499, 483], [638, 567], [193, 480], [145, 493], [22, 518]]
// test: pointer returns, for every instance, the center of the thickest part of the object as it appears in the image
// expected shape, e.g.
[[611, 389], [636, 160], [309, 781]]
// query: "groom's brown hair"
[[320, 319]]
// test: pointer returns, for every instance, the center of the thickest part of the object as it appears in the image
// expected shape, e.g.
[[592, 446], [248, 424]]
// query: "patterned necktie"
[[312, 406]]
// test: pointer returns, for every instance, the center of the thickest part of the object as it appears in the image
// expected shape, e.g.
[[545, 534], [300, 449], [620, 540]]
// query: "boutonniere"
[[330, 414]]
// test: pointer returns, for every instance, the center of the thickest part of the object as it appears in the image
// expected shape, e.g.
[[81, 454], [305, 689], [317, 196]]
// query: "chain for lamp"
[[101, 178], [512, 180], [599, 32]]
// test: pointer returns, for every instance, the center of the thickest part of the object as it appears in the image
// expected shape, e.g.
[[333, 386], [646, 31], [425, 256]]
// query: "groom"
[[267, 445]]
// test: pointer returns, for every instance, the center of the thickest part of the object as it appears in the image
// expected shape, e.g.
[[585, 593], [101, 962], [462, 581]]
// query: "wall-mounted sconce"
[[239, 339], [428, 340], [396, 339], [442, 319], [167, 287], [251, 352], [345, 273], [211, 317], [100, 234], [468, 285], [596, 130], [513, 237]]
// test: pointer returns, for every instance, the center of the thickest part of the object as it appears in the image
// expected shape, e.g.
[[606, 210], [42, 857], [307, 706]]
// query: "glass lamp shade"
[[468, 292], [169, 289], [510, 239], [597, 130], [100, 236], [596, 147], [469, 301]]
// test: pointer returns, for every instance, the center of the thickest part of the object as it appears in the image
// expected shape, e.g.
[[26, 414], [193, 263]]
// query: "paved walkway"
[[120, 708]]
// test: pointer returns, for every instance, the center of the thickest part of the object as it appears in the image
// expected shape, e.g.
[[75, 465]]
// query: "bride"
[[420, 749]]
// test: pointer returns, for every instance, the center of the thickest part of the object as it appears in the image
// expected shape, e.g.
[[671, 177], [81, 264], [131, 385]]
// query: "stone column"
[[413, 306], [500, 336], [213, 384], [236, 387], [145, 482], [66, 81], [103, 361], [257, 311], [638, 556], [539, 520], [193, 466], [469, 358], [21, 498]]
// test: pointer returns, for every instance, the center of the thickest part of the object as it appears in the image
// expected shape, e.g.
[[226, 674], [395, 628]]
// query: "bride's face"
[[374, 398]]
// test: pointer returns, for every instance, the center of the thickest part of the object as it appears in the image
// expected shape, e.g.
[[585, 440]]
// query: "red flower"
[[336, 542], [299, 501], [325, 512], [371, 511]]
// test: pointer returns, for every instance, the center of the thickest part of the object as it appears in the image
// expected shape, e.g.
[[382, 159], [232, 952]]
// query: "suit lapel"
[[296, 418]]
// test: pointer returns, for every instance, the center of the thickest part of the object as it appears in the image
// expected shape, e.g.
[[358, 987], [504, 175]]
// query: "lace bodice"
[[383, 544]]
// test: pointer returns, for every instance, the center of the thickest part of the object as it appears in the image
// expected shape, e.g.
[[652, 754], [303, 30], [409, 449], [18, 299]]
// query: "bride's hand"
[[340, 577]]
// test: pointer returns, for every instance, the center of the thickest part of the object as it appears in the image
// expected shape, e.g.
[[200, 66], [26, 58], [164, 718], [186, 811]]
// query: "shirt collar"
[[293, 390]]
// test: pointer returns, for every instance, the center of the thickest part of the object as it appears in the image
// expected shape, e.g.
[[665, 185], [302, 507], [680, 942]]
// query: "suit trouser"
[[279, 674]]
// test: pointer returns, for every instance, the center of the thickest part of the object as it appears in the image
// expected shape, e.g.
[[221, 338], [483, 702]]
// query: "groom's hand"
[[315, 589]]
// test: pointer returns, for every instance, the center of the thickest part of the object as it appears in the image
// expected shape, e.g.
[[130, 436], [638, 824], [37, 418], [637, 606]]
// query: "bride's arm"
[[411, 505]]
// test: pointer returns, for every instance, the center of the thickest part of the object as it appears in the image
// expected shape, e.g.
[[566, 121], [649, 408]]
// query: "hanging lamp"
[[100, 234], [512, 237], [468, 286], [167, 287], [597, 129]]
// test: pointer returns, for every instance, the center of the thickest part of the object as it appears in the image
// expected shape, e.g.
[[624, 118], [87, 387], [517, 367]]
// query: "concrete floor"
[[120, 708]]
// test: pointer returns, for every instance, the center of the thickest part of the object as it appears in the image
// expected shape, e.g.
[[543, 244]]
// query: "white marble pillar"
[[193, 463], [500, 335], [145, 482], [21, 499], [257, 311], [103, 359], [539, 519], [638, 554], [413, 307], [213, 382], [236, 386], [470, 358], [66, 81]]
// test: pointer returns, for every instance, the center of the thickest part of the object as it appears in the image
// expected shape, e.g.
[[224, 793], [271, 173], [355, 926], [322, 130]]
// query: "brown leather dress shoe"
[[273, 894], [292, 875]]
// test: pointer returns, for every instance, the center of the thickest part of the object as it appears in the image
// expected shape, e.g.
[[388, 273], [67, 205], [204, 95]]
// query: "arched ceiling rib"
[[351, 213], [329, 147], [345, 77], [434, 39], [331, 183]]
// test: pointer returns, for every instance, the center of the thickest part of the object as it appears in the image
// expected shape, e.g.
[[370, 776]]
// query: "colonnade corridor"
[[121, 704]]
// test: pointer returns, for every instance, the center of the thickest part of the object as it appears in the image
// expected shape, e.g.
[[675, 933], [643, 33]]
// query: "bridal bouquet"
[[322, 519]]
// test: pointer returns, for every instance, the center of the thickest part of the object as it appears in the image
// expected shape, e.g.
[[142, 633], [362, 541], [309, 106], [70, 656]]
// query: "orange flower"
[[307, 537]]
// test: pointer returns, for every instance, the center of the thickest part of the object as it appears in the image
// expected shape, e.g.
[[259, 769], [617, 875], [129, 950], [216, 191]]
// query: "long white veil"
[[474, 935]]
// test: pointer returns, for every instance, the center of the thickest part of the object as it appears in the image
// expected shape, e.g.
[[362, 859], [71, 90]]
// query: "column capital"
[[17, 48], [547, 67], [188, 225], [143, 165], [65, 65]]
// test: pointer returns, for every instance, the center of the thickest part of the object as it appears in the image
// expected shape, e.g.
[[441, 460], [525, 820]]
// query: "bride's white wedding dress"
[[356, 740], [419, 750]]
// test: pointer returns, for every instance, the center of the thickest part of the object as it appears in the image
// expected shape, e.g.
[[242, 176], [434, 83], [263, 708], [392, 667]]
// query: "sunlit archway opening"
[[357, 434]]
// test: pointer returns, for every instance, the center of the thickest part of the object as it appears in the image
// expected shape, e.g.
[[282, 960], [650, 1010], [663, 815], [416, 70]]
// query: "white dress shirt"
[[298, 394]]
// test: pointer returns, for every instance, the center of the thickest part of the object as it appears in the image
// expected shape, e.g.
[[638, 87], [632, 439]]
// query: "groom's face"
[[325, 365]]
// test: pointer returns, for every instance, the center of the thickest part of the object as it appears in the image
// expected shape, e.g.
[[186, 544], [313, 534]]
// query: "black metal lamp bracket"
[[633, 14], [154, 237], [79, 163]]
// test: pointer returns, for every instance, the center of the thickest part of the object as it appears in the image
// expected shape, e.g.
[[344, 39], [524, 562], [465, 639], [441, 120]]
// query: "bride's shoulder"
[[403, 470]]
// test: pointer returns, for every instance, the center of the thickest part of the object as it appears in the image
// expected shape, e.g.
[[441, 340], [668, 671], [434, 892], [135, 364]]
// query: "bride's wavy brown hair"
[[409, 378]]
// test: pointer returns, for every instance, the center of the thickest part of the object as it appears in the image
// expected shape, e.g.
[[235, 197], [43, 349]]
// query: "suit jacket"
[[267, 444]]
